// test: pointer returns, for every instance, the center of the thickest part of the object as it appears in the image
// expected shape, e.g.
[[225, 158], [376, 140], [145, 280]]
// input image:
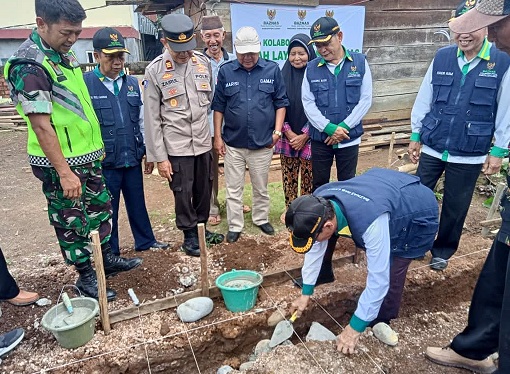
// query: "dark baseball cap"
[[305, 218], [179, 32], [323, 29], [108, 40]]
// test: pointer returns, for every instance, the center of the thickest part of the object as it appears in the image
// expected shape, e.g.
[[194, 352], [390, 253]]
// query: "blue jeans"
[[129, 181]]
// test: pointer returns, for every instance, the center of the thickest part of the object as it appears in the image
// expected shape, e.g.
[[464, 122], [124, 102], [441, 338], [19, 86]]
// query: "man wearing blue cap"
[[117, 102], [393, 223]]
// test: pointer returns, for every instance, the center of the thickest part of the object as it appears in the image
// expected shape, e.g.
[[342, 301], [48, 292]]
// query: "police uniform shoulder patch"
[[156, 60]]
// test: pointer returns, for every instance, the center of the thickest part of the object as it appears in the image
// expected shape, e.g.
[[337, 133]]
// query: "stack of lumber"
[[10, 119], [378, 134]]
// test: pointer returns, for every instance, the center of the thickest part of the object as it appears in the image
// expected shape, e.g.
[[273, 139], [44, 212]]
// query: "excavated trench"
[[231, 343]]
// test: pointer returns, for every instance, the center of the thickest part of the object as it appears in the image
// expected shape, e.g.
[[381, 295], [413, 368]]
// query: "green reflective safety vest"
[[73, 117]]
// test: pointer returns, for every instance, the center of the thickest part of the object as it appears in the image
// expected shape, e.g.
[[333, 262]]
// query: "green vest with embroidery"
[[73, 117]]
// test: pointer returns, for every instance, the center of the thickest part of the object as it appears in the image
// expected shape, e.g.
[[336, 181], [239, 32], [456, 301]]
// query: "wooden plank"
[[491, 222], [400, 70], [396, 102], [500, 189], [270, 279], [397, 4], [413, 19], [388, 115], [390, 129], [392, 87], [404, 36], [395, 54]]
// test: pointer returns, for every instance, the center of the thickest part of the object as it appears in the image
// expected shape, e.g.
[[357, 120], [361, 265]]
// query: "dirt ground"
[[434, 307]]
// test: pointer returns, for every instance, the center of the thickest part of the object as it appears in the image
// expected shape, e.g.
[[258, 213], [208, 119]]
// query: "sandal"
[[246, 209], [214, 219]]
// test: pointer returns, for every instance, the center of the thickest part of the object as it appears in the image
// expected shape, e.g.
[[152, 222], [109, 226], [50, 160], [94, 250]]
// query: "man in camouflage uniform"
[[64, 138], [177, 95]]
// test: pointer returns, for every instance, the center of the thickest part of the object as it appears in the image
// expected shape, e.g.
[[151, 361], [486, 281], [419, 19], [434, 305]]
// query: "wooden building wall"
[[401, 37]]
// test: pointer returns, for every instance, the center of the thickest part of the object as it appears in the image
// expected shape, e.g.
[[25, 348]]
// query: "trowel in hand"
[[283, 331]]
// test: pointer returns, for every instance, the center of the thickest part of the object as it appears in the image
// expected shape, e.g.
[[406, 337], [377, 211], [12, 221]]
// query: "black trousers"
[[346, 160], [191, 184], [129, 181], [8, 287], [459, 185], [488, 328]]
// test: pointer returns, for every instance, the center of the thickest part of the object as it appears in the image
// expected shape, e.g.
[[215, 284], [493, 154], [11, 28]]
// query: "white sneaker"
[[385, 334]]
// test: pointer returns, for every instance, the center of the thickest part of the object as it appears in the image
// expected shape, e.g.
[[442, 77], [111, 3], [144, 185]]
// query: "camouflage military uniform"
[[36, 91]]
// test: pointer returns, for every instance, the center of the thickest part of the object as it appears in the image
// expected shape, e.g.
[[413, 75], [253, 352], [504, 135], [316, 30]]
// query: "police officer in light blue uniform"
[[117, 102], [393, 223]]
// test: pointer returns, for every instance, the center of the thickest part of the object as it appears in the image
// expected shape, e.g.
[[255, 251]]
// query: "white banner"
[[277, 24]]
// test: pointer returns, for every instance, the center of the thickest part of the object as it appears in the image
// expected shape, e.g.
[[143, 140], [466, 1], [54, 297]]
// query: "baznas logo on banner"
[[289, 21]]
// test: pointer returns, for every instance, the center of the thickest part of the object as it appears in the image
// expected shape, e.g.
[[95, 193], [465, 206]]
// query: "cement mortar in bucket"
[[239, 289], [74, 329]]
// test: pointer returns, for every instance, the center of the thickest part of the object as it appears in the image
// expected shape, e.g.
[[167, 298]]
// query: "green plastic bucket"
[[76, 329], [239, 289]]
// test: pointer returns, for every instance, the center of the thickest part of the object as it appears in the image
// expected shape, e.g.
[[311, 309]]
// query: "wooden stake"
[[494, 206], [204, 274], [101, 282], [390, 151]]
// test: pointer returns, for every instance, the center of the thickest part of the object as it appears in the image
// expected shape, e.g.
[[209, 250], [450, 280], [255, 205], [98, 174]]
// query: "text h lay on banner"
[[276, 24]]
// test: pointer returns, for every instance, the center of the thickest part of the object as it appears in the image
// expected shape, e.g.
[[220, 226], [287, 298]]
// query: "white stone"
[[187, 280], [246, 366], [224, 369], [262, 347], [43, 302], [195, 309], [319, 333]]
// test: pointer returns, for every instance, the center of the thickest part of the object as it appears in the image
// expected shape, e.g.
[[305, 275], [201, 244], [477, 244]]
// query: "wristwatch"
[[279, 133]]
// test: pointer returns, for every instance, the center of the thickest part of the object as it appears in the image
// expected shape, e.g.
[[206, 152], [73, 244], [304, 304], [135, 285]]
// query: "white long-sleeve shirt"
[[377, 246], [423, 105], [319, 121]]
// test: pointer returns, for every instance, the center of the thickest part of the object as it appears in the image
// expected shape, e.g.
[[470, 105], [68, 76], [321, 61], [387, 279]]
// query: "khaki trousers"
[[258, 162]]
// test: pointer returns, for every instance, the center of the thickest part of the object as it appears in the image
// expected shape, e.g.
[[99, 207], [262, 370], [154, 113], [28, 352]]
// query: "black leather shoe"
[[87, 282], [212, 238], [114, 265], [156, 245], [190, 246], [267, 228], [233, 236]]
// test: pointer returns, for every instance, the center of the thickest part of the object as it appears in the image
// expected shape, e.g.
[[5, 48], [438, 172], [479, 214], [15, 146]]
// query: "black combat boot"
[[114, 265], [190, 245], [87, 281]]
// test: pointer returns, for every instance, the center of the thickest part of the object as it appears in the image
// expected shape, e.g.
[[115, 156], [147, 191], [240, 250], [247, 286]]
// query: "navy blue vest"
[[336, 96], [412, 207], [462, 115], [119, 118]]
